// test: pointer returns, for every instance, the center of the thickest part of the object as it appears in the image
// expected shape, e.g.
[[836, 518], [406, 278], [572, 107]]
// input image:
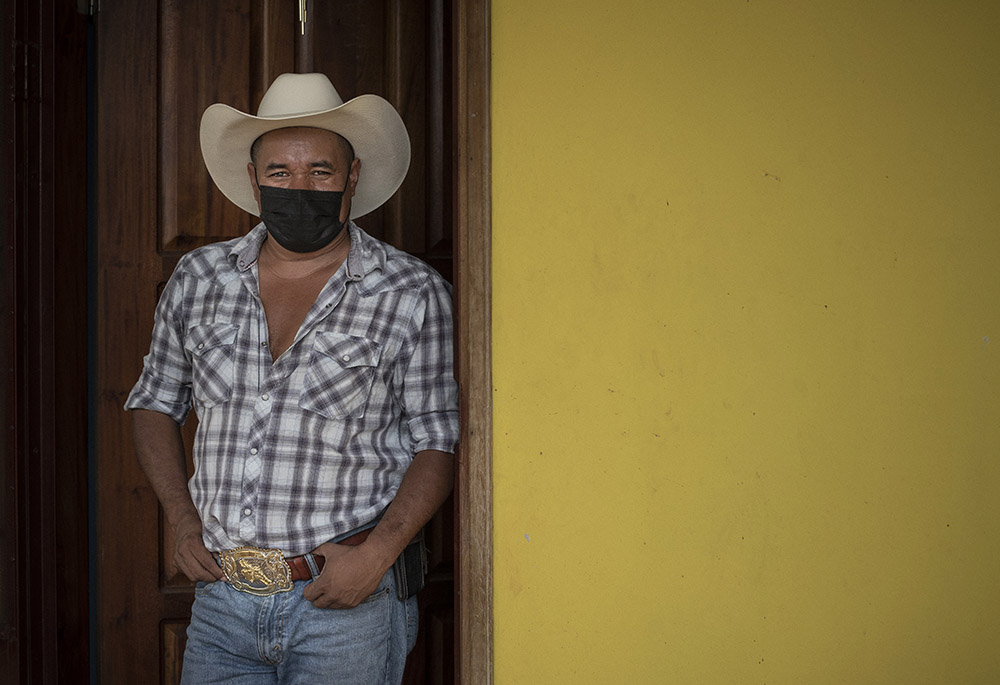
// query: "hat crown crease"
[[286, 97]]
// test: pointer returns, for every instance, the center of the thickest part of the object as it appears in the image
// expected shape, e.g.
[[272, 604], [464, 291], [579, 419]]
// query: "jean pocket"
[[212, 347], [202, 588], [340, 375], [376, 596]]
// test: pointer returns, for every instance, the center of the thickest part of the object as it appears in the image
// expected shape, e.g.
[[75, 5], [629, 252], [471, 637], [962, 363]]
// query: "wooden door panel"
[[197, 68], [173, 637], [160, 64]]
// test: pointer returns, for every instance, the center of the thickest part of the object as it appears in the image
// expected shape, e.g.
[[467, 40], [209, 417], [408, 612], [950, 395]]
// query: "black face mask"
[[301, 220]]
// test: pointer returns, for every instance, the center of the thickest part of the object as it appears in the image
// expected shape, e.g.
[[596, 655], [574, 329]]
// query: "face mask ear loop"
[[347, 181], [256, 180], [343, 194]]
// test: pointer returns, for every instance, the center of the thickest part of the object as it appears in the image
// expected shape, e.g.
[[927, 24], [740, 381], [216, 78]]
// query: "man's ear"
[[352, 179], [252, 172]]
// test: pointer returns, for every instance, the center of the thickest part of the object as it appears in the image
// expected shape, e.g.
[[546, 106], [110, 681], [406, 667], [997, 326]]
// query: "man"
[[319, 363]]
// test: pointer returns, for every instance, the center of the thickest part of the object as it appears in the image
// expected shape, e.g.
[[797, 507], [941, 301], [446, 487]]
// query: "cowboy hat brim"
[[371, 125]]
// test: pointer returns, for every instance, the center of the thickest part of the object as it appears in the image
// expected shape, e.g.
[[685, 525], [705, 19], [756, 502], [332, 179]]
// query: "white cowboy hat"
[[369, 123]]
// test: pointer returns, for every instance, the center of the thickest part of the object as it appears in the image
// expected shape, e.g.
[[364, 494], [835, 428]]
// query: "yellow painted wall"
[[746, 333]]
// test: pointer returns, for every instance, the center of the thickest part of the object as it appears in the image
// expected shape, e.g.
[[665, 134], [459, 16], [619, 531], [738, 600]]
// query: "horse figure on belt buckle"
[[260, 572]]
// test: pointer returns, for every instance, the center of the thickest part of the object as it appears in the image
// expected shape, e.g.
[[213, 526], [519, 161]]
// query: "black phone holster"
[[411, 568]]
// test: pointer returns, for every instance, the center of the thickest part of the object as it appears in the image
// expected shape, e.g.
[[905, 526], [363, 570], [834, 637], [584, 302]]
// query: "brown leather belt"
[[264, 572], [300, 567]]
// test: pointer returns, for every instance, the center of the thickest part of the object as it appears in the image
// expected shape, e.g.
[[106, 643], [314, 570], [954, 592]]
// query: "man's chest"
[[285, 304], [285, 332]]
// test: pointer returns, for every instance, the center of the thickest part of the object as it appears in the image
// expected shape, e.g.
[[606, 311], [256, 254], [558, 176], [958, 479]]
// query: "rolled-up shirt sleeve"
[[430, 392], [165, 383]]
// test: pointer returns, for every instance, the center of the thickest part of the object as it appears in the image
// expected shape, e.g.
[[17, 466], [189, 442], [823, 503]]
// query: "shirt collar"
[[365, 256], [245, 251]]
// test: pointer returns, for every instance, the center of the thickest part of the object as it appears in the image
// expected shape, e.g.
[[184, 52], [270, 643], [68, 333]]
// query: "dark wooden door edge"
[[43, 343], [474, 553]]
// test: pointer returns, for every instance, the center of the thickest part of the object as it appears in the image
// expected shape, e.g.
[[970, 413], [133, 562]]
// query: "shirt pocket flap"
[[347, 350], [201, 339]]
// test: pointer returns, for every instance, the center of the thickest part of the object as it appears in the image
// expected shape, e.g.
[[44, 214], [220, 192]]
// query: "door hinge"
[[88, 7], [27, 78]]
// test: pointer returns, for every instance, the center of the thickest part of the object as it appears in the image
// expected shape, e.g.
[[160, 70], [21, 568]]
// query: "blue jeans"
[[237, 638]]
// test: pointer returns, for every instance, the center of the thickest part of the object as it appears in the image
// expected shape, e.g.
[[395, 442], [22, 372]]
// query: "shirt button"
[[201, 346], [265, 397], [264, 344], [247, 511], [253, 450], [347, 357]]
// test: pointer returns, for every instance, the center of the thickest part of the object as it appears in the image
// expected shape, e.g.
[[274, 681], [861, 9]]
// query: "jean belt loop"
[[311, 561]]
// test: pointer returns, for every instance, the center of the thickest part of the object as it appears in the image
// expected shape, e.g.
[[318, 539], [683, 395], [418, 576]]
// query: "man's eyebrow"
[[320, 164]]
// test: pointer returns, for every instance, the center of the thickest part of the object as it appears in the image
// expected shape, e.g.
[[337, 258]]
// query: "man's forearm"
[[426, 485], [160, 451]]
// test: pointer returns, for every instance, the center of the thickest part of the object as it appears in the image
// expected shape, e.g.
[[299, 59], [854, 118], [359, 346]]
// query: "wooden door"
[[159, 64]]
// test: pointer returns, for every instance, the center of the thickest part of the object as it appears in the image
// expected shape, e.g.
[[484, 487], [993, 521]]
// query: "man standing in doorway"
[[319, 362]]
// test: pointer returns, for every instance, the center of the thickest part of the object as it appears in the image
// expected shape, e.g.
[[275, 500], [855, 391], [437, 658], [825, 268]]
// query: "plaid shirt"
[[292, 453]]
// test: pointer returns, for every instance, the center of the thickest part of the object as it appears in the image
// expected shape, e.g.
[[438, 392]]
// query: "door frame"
[[473, 241]]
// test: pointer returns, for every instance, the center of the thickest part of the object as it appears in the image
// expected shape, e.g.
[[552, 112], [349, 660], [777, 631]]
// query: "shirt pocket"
[[340, 375], [212, 350]]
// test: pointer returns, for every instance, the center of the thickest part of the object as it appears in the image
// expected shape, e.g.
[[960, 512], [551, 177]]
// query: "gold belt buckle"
[[260, 572]]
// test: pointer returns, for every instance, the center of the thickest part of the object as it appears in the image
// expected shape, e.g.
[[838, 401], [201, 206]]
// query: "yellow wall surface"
[[746, 282]]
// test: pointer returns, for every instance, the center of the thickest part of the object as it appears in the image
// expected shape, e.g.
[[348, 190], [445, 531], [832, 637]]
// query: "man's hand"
[[350, 575], [191, 555]]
